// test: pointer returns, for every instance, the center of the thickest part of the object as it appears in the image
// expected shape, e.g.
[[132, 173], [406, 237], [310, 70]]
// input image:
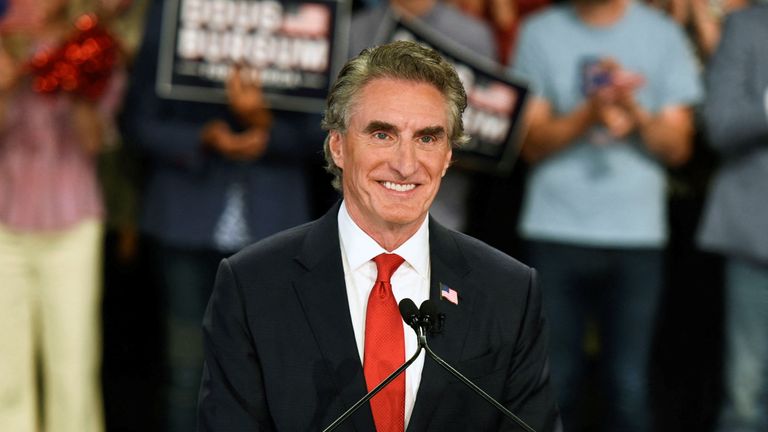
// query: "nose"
[[404, 159]]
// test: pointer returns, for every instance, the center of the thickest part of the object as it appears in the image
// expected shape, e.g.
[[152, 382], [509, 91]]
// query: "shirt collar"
[[360, 248]]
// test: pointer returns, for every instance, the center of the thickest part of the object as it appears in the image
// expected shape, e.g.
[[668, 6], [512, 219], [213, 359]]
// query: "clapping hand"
[[615, 101]]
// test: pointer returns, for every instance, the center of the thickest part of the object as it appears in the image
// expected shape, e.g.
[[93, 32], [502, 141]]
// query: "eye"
[[380, 135], [427, 139]]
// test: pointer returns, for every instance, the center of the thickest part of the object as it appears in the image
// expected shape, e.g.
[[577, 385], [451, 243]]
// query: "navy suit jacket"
[[280, 351]]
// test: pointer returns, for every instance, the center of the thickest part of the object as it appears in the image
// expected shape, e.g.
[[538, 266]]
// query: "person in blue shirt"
[[614, 82]]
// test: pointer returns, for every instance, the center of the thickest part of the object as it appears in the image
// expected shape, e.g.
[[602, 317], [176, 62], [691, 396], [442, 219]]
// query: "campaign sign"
[[495, 100], [293, 48]]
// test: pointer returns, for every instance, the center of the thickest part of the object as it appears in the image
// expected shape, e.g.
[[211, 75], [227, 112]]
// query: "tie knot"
[[386, 264]]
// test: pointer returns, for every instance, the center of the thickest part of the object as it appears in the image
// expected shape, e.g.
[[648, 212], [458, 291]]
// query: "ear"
[[447, 162], [336, 144]]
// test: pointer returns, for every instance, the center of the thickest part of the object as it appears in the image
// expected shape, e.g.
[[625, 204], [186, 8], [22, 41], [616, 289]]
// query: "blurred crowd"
[[637, 196]]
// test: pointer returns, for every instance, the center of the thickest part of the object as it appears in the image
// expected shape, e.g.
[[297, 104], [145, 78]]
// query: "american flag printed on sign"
[[312, 20], [449, 294]]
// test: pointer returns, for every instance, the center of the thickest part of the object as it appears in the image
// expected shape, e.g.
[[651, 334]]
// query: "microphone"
[[429, 315], [409, 312], [412, 317], [428, 318]]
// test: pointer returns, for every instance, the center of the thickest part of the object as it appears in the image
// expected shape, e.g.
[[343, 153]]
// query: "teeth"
[[399, 187]]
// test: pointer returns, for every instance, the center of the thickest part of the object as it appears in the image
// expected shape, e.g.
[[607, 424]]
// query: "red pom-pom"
[[82, 65]]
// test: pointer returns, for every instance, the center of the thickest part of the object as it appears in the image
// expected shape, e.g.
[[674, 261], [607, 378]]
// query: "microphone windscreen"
[[408, 311], [428, 311]]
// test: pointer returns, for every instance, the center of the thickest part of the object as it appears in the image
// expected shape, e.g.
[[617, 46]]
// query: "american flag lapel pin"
[[449, 294]]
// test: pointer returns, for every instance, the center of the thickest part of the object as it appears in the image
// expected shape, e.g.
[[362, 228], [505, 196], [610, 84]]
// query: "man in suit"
[[288, 336], [736, 217]]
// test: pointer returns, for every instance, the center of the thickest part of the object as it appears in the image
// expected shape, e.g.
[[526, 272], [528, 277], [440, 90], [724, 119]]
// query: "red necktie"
[[385, 348]]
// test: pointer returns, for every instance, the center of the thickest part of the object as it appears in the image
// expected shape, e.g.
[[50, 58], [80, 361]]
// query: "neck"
[[600, 13], [412, 8]]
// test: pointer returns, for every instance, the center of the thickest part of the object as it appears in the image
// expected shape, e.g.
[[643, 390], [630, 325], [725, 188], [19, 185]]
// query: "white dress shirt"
[[410, 280]]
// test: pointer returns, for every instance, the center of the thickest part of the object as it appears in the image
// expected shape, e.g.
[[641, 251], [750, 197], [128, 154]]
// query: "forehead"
[[401, 103]]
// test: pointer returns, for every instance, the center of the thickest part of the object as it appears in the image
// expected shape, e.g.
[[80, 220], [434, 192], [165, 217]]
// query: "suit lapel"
[[323, 297], [449, 268]]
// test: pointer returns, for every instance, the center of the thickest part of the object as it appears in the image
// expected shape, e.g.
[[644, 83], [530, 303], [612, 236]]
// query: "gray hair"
[[403, 60]]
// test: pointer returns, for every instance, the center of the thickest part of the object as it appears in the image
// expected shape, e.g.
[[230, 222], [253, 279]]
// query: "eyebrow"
[[378, 125], [437, 131]]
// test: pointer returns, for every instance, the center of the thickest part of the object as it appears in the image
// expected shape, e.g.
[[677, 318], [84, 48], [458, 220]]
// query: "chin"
[[402, 216]]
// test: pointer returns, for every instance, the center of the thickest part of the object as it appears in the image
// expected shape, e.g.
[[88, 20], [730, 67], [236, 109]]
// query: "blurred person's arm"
[[160, 129], [667, 134], [183, 134], [667, 130], [678, 10], [706, 26], [547, 133], [246, 101], [187, 141], [704, 18], [502, 14], [734, 112], [269, 134], [242, 146], [89, 125], [8, 77], [95, 120], [266, 134], [177, 132]]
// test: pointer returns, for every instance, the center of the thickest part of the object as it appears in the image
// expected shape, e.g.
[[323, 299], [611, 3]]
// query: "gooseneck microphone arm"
[[372, 393], [428, 313], [422, 321], [411, 317], [477, 390]]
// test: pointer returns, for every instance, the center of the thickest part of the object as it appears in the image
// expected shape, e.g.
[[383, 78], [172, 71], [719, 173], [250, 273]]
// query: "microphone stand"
[[422, 321], [475, 388], [420, 334]]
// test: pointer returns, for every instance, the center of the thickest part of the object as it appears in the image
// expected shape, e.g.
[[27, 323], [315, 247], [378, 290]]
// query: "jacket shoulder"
[[482, 257], [284, 244]]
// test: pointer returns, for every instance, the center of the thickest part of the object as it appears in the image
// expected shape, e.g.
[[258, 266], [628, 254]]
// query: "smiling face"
[[393, 154]]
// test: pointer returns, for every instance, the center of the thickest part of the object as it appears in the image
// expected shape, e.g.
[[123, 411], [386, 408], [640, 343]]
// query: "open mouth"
[[397, 187]]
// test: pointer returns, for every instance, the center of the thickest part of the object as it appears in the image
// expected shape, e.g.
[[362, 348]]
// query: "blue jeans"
[[617, 290], [745, 406], [186, 278]]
